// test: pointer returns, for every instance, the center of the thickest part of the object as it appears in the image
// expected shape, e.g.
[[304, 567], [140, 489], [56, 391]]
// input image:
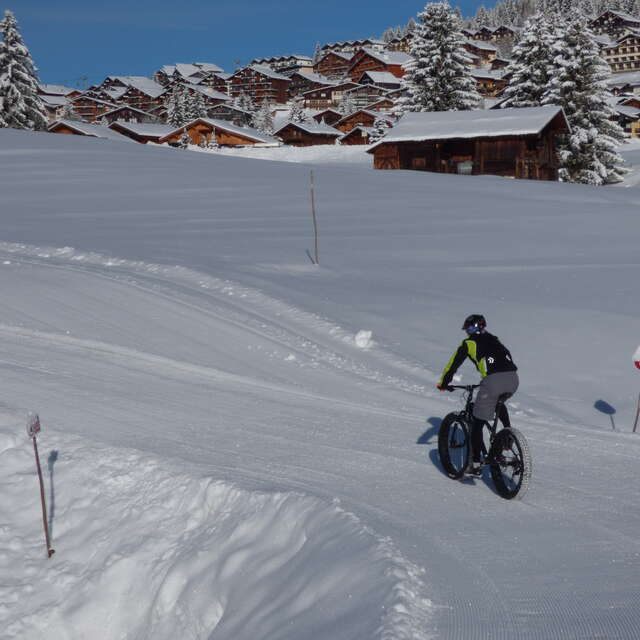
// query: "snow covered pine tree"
[[531, 67], [589, 153], [438, 77], [20, 104]]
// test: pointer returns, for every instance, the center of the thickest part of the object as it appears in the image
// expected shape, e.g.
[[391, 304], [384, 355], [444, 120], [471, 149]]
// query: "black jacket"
[[487, 353]]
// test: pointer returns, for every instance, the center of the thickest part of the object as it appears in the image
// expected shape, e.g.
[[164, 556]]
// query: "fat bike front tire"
[[454, 445], [511, 465]]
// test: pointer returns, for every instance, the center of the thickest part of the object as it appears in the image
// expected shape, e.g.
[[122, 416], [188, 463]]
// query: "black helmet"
[[474, 323]]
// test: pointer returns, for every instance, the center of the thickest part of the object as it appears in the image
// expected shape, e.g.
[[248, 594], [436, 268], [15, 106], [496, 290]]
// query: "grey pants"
[[491, 388]]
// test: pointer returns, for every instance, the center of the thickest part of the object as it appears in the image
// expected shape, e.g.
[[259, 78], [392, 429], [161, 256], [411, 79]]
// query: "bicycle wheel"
[[454, 445], [511, 470]]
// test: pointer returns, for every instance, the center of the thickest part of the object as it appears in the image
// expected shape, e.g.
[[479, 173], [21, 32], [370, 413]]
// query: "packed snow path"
[[241, 367]]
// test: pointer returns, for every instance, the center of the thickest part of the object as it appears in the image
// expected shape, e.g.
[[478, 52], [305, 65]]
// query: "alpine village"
[[535, 89]]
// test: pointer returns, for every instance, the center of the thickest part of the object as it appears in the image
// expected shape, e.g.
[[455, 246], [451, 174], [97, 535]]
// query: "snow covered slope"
[[209, 398]]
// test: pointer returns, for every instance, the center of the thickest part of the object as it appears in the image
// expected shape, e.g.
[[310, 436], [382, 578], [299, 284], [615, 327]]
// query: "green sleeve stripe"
[[472, 348]]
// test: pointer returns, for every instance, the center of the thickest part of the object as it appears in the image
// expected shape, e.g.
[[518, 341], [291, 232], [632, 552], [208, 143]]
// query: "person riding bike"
[[497, 370]]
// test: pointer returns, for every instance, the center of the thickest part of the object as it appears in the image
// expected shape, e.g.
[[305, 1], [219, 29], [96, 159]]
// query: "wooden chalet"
[[362, 95], [518, 143], [302, 82], [483, 53], [90, 109], [351, 46], [193, 72], [624, 55], [306, 134], [125, 113], [370, 60], [505, 33], [218, 81], [628, 117], [230, 113], [385, 105], [614, 24], [624, 83], [328, 116], [358, 135], [483, 33], [333, 65], [143, 99], [260, 83], [361, 118], [55, 107], [326, 97], [58, 90], [286, 65], [497, 64], [400, 44], [489, 83], [142, 132], [210, 96], [205, 131], [383, 79], [77, 128], [632, 101]]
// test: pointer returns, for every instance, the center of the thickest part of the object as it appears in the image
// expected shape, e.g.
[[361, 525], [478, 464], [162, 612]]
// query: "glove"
[[444, 387]]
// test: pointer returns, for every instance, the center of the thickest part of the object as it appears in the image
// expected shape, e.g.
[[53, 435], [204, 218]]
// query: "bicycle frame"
[[468, 413]]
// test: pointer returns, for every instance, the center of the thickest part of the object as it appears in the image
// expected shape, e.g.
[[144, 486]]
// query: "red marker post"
[[636, 361], [33, 429]]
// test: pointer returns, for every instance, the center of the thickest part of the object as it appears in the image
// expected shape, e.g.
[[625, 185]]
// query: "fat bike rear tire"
[[454, 445], [511, 467]]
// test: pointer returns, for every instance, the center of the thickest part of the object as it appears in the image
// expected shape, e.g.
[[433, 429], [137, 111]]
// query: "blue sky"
[[73, 40]]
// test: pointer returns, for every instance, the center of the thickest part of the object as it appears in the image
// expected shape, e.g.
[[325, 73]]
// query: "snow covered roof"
[[56, 89], [365, 130], [210, 92], [389, 57], [622, 79], [292, 57], [624, 16], [447, 125], [225, 125], [146, 85], [312, 127], [375, 114], [481, 44], [265, 71], [122, 107], [483, 72], [629, 112], [382, 77], [145, 128], [87, 129], [54, 101], [340, 54], [315, 77]]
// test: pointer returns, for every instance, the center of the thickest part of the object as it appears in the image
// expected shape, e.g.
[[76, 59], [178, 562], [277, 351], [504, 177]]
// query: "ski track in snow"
[[329, 344], [233, 466]]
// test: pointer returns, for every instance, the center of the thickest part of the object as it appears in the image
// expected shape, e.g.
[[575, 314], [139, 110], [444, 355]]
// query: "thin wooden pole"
[[635, 424], [33, 428], [315, 221]]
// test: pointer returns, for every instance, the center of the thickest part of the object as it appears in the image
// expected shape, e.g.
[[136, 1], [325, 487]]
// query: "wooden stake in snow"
[[315, 222], [33, 429], [636, 361]]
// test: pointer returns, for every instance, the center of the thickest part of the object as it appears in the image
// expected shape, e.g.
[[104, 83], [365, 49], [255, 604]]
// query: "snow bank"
[[144, 550], [318, 154]]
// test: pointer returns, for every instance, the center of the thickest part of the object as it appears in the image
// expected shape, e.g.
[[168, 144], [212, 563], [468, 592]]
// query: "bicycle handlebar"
[[466, 387]]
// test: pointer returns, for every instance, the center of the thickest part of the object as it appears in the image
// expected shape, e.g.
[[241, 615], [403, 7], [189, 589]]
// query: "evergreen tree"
[[175, 106], [297, 113], [20, 105], [194, 106], [588, 154], [347, 106], [263, 120], [243, 101], [438, 77], [380, 127], [532, 63]]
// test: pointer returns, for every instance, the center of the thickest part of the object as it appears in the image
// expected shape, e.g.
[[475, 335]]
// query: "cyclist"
[[498, 373]]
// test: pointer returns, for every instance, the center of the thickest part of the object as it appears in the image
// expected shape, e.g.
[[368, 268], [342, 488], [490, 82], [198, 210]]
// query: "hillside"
[[232, 463]]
